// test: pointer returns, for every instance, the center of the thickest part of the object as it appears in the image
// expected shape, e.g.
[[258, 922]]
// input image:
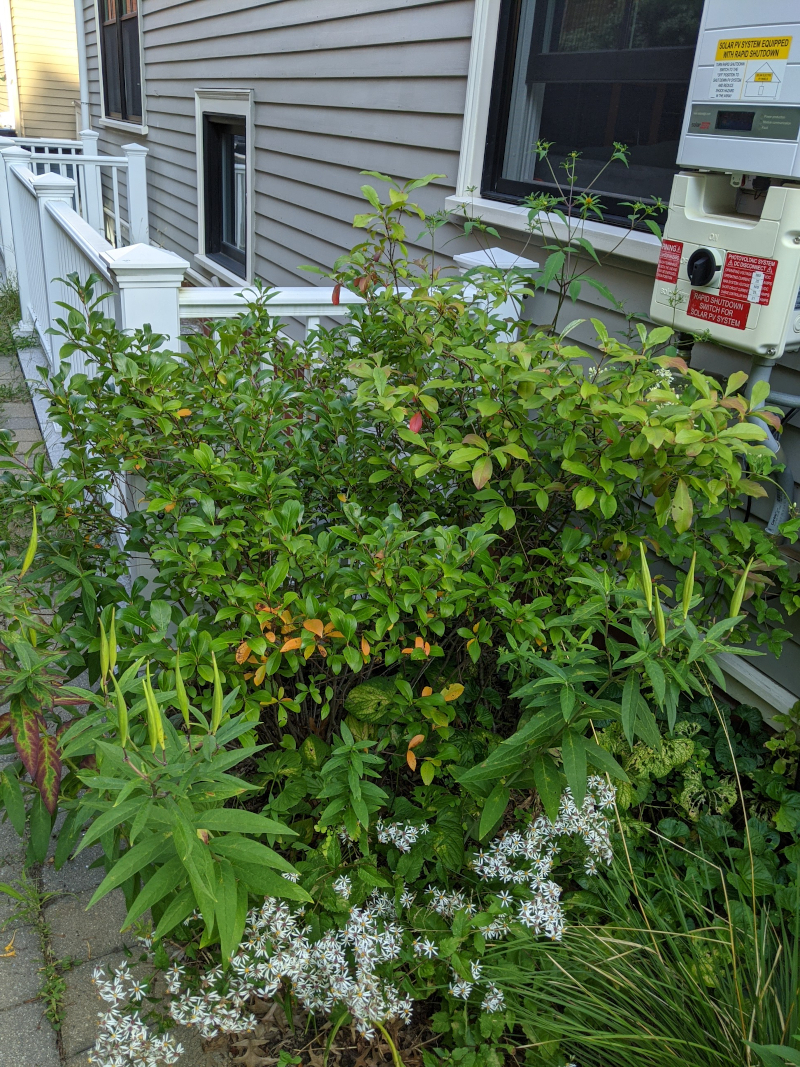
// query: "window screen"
[[225, 177]]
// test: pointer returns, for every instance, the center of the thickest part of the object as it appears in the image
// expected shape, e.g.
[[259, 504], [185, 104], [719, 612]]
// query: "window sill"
[[127, 127], [642, 247], [211, 266]]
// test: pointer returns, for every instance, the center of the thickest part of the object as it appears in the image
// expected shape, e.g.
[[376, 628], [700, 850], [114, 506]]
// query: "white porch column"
[[23, 244], [50, 187], [149, 280], [6, 235], [138, 217], [91, 192]]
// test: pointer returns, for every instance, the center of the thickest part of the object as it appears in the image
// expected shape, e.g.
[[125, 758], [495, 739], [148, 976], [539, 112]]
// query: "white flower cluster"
[[343, 965], [123, 1036], [401, 835], [528, 858]]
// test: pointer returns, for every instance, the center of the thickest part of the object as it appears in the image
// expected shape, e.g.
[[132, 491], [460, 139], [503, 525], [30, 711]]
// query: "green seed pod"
[[183, 700], [688, 587], [155, 726], [661, 627], [122, 714], [112, 641], [103, 653], [738, 593], [31, 550], [647, 581], [216, 701]]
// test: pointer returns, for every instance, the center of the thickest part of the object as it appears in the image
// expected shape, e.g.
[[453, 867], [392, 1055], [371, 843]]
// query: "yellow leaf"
[[291, 644], [417, 739], [364, 646], [258, 677], [183, 413], [426, 692], [411, 760], [169, 507], [242, 652], [308, 652], [453, 692], [314, 626]]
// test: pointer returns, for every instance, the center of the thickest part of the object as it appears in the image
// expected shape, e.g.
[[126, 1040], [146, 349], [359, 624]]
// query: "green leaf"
[[41, 826], [11, 793], [658, 681], [226, 908], [131, 862], [776, 1055], [243, 850], [573, 754], [646, 725], [267, 883], [482, 472], [155, 889], [630, 703], [108, 820], [180, 909], [507, 517], [584, 497], [682, 507], [243, 822], [493, 809], [549, 783], [603, 760]]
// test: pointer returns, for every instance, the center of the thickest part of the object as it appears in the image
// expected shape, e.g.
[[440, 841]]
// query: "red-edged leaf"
[[335, 294], [48, 776], [25, 729], [415, 423], [5, 724]]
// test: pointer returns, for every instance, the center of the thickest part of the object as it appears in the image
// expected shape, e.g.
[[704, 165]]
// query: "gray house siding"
[[342, 86]]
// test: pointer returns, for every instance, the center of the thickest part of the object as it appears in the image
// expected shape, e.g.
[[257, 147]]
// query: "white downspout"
[[83, 70], [10, 56]]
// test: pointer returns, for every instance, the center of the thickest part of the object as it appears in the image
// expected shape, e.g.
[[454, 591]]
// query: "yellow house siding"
[[3, 86], [47, 66]]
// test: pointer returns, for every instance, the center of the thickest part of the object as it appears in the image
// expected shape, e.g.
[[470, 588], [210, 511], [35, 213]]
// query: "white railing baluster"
[[92, 187], [115, 195]]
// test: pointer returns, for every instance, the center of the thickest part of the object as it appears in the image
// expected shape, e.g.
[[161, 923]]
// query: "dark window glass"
[[583, 74], [225, 174], [122, 79]]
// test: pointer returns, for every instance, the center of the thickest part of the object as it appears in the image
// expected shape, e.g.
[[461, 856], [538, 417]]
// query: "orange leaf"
[[291, 644], [418, 642], [335, 633], [183, 413], [329, 626], [314, 626], [407, 651], [411, 760], [426, 692], [453, 692], [242, 652], [270, 636], [364, 646], [417, 739], [169, 507], [427, 649], [322, 651]]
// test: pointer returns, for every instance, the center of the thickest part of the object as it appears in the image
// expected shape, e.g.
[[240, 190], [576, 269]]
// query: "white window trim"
[[117, 124], [643, 247], [214, 101]]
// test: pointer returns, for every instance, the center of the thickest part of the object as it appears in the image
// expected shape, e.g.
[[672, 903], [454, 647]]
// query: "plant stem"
[[396, 1058]]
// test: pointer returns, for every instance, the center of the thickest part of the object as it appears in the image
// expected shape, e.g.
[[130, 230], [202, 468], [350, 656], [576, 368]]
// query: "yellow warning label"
[[764, 76], [753, 48]]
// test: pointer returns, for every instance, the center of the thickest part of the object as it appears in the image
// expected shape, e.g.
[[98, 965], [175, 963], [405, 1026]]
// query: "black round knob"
[[702, 267]]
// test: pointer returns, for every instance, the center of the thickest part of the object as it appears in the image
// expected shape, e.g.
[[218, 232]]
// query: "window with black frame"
[[225, 181], [583, 74], [122, 72]]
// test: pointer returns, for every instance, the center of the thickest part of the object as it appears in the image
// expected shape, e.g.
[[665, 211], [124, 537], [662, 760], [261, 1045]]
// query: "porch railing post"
[[21, 241], [149, 280], [91, 193], [138, 220], [6, 236], [50, 187]]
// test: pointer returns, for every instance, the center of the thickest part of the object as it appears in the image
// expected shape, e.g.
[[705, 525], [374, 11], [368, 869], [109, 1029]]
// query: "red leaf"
[[415, 423], [5, 724], [48, 776], [25, 729], [335, 296]]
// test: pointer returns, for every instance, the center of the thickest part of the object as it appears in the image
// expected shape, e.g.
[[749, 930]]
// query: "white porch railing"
[[110, 192]]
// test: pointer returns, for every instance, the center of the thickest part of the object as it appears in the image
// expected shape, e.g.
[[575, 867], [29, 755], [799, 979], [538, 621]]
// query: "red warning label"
[[669, 261], [748, 278], [716, 308]]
